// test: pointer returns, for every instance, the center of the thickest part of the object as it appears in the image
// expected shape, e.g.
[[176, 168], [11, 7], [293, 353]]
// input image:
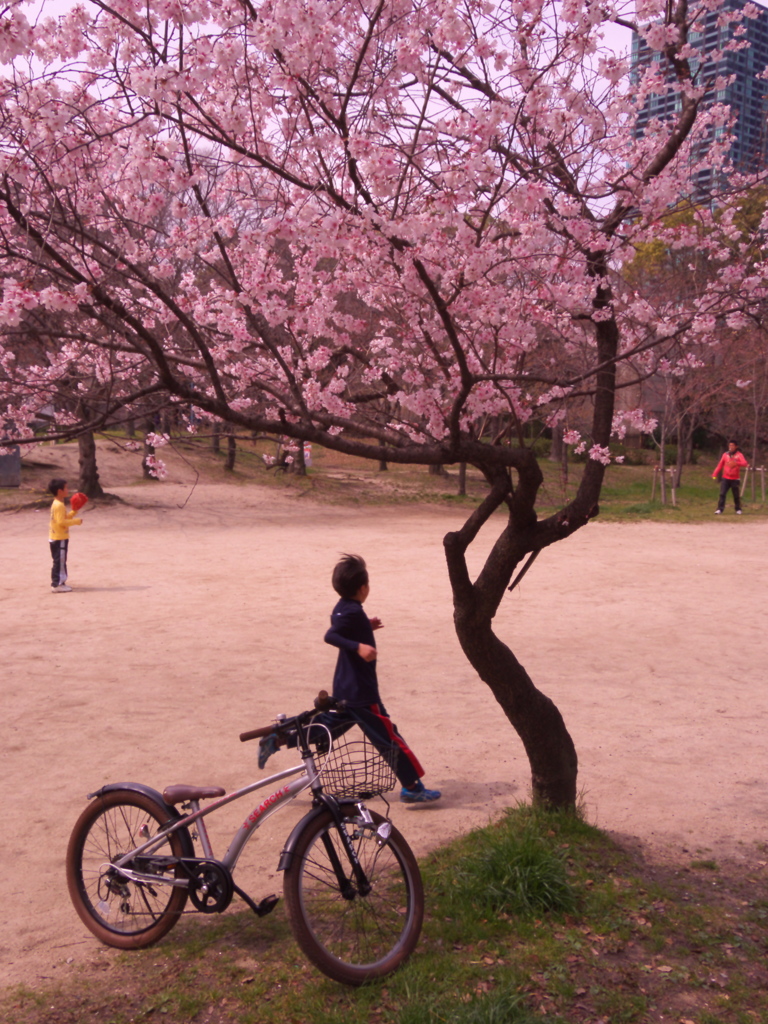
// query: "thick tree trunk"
[[536, 719], [89, 473]]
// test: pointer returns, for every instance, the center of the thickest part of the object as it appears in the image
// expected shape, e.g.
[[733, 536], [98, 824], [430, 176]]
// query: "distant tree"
[[742, 408], [692, 384]]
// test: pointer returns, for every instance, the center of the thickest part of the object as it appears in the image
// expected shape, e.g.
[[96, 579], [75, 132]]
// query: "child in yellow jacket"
[[58, 535]]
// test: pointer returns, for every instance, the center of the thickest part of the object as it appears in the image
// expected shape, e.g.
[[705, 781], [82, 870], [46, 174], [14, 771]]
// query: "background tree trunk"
[[231, 450], [681, 449], [89, 474], [564, 469], [299, 464], [556, 451], [149, 449]]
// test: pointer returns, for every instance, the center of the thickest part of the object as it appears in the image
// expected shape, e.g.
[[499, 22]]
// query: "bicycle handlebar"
[[254, 734], [323, 702]]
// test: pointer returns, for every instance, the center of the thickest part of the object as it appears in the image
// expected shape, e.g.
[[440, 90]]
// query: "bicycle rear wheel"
[[351, 937], [120, 912]]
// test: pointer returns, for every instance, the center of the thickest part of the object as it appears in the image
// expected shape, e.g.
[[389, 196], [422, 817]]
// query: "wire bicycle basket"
[[354, 768]]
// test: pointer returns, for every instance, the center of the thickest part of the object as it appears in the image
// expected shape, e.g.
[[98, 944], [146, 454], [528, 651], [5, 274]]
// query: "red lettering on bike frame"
[[257, 812]]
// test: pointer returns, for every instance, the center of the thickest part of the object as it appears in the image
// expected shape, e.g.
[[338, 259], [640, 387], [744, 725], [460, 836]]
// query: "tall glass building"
[[746, 95]]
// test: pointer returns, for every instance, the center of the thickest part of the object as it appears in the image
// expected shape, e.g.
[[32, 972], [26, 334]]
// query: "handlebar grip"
[[323, 700], [253, 734]]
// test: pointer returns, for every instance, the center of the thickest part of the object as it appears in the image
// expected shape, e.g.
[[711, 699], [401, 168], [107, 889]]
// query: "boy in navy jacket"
[[355, 682]]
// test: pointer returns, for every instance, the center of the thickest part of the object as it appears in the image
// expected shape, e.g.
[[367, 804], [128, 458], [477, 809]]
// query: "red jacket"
[[731, 465]]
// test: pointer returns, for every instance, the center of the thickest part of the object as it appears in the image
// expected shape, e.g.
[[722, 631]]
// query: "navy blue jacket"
[[354, 679]]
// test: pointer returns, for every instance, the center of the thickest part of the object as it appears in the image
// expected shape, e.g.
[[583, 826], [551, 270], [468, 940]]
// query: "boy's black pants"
[[59, 556], [382, 732]]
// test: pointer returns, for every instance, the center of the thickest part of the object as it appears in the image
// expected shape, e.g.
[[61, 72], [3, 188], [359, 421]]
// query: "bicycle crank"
[[210, 885]]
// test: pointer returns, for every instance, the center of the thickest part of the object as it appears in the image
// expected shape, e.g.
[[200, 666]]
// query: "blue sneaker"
[[267, 747], [419, 794]]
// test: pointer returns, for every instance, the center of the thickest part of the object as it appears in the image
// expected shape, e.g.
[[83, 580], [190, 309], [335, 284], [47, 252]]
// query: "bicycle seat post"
[[193, 806]]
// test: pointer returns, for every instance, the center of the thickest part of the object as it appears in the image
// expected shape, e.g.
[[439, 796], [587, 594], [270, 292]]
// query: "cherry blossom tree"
[[375, 226]]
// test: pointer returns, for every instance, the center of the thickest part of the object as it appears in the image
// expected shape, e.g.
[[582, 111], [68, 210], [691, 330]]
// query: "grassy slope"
[[572, 929]]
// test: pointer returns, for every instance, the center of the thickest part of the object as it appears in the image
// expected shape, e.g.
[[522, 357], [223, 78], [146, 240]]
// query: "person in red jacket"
[[730, 465]]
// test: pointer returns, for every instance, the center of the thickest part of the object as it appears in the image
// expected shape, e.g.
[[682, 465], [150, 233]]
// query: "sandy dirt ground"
[[190, 624]]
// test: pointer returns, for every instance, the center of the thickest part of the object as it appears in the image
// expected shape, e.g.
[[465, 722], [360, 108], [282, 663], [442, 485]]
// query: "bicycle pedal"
[[267, 905]]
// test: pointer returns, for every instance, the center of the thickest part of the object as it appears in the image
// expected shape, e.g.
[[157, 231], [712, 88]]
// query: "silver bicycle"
[[351, 884]]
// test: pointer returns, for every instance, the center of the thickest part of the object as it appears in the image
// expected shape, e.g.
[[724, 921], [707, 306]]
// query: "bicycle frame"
[[310, 778], [273, 803]]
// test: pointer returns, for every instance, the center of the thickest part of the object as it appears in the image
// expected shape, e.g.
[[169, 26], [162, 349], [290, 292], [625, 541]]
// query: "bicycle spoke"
[[119, 911], [363, 936]]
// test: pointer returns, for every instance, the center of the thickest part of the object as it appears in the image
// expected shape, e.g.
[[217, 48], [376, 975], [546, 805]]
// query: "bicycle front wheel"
[[349, 936], [121, 912]]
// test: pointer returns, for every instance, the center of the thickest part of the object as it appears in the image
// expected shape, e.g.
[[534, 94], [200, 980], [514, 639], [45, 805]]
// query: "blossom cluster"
[[346, 224]]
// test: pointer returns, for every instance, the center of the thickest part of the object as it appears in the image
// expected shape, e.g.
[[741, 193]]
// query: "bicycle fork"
[[346, 888]]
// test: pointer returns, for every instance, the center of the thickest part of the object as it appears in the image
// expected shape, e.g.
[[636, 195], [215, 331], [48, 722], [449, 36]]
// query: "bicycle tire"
[[366, 937], [121, 913]]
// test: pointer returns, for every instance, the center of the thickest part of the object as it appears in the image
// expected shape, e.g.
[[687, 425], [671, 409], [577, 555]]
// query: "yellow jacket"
[[61, 520]]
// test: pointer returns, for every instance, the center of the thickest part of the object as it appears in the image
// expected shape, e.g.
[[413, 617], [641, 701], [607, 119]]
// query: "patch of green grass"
[[642, 509], [501, 1007], [629, 494], [511, 871]]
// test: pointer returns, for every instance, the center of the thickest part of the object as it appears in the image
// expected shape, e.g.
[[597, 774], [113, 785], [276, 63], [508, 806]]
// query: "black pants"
[[59, 556], [382, 732], [725, 486]]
